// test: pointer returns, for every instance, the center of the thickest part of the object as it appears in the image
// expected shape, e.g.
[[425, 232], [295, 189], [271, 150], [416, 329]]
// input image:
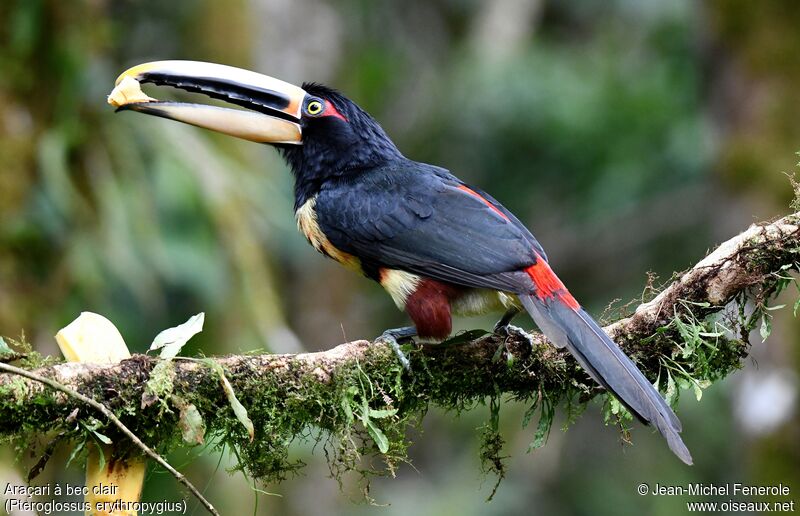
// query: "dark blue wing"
[[423, 220]]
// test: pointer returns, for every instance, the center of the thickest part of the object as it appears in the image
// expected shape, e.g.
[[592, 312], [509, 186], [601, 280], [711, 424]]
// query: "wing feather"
[[414, 217]]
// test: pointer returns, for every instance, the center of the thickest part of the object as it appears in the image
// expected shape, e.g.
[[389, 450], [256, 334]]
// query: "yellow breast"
[[306, 216]]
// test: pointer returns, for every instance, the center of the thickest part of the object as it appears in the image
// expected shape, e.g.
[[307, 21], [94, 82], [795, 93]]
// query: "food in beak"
[[128, 91]]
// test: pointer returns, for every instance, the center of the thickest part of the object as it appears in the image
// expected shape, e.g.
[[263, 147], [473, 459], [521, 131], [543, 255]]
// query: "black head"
[[338, 138]]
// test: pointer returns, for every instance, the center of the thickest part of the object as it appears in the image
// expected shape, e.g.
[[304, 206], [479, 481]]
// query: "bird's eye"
[[314, 107]]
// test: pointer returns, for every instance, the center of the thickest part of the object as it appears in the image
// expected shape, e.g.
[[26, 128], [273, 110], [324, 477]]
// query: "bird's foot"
[[392, 338], [509, 330], [515, 333], [505, 329]]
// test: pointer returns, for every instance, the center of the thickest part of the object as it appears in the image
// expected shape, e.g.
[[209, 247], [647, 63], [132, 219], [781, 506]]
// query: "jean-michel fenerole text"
[[728, 489]]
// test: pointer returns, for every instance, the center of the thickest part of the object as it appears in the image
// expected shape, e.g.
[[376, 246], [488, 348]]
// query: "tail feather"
[[568, 325]]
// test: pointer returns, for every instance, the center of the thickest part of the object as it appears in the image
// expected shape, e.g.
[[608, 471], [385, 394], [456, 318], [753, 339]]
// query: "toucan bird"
[[437, 245]]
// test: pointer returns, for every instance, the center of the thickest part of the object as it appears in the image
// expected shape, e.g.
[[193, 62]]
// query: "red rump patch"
[[429, 308], [482, 198], [330, 110], [548, 285]]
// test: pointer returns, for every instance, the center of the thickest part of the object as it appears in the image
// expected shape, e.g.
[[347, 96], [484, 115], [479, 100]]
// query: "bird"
[[439, 246]]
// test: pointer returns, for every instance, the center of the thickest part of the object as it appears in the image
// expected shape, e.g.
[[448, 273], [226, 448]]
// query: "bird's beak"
[[273, 107]]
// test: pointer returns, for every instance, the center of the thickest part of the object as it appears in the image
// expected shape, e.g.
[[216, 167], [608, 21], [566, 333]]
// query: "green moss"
[[354, 413], [160, 385], [17, 391]]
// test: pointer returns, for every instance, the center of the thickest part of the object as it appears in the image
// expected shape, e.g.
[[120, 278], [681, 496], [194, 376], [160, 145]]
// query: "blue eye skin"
[[314, 107]]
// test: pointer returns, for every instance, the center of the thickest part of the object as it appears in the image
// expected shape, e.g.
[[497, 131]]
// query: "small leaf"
[[766, 327], [348, 411], [173, 339], [683, 383], [698, 392], [698, 387], [238, 409], [193, 428], [75, 451], [102, 438], [796, 306], [498, 353], [672, 390], [464, 337], [542, 431], [688, 336], [615, 405], [382, 413], [378, 436], [4, 349], [102, 464], [365, 412]]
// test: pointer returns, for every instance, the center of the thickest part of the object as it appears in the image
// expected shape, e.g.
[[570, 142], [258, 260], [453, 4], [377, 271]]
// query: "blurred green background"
[[631, 136]]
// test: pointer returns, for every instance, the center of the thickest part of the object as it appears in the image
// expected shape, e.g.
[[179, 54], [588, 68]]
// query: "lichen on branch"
[[359, 401]]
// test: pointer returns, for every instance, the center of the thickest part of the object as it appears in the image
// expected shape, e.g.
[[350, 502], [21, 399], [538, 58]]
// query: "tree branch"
[[113, 418], [362, 400]]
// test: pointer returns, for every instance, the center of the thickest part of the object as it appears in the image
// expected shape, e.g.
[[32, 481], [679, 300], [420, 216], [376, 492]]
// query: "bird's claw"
[[509, 330], [391, 340], [514, 332]]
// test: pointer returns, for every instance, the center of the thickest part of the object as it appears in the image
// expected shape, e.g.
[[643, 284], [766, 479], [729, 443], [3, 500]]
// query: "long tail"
[[566, 324]]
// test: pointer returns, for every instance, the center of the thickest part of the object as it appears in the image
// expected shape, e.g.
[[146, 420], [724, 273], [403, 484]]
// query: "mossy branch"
[[357, 399], [115, 420]]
